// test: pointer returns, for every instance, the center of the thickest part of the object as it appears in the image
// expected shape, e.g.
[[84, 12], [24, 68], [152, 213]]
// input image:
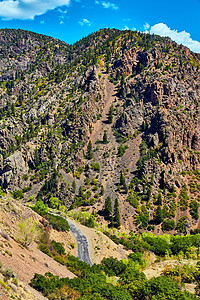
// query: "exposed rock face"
[[14, 167], [195, 143], [141, 91]]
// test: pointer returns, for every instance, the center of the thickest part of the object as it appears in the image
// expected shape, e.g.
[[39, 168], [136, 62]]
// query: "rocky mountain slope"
[[114, 115]]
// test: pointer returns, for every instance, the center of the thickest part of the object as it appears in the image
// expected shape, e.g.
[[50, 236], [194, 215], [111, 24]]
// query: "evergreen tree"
[[36, 157], [102, 191], [89, 154], [159, 201], [116, 214], [118, 75], [158, 218], [13, 109], [144, 126], [74, 187], [80, 193], [111, 221], [149, 192], [123, 182], [125, 188], [122, 81], [110, 114], [105, 137], [122, 179], [108, 207]]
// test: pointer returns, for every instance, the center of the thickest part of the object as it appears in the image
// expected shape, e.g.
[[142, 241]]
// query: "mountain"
[[114, 116]]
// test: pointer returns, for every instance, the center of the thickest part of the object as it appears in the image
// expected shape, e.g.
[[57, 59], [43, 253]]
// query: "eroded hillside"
[[114, 115]]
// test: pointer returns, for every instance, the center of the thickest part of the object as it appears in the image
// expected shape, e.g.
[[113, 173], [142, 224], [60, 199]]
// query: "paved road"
[[82, 243]]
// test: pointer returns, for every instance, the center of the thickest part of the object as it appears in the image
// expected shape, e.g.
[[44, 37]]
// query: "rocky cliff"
[[114, 115]]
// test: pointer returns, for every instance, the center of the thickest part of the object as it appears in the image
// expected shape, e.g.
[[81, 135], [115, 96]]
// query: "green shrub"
[[58, 247], [96, 167], [158, 245], [18, 194], [183, 198], [40, 208], [132, 199], [122, 150], [58, 222], [194, 205], [168, 225], [114, 266]]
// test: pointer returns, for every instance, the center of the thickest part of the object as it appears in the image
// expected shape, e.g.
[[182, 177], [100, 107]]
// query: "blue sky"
[[70, 20]]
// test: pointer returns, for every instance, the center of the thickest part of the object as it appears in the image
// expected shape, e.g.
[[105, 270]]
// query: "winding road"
[[82, 242]]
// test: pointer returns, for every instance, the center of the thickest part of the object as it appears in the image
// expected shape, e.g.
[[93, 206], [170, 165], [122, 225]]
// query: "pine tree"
[[80, 193], [149, 192], [102, 191], [159, 201], [74, 187], [89, 154], [108, 207], [36, 157], [158, 218], [111, 221], [116, 214], [122, 179], [125, 188], [123, 182], [13, 109], [105, 137], [110, 114]]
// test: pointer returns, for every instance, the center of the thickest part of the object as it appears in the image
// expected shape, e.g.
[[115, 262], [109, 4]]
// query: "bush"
[[96, 167], [163, 288], [8, 274], [54, 202], [122, 150], [114, 266], [181, 225], [194, 205], [58, 223], [168, 225], [58, 247], [29, 231], [133, 200], [158, 245], [44, 248], [183, 198], [18, 194], [40, 208]]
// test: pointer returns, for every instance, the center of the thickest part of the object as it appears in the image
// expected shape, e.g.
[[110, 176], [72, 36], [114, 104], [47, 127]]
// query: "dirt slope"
[[26, 262]]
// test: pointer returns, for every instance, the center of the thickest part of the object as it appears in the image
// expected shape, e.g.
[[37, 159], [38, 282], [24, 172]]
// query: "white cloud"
[[126, 20], [125, 28], [27, 9], [42, 22], [107, 5], [62, 11], [182, 37], [61, 22], [146, 26], [85, 22], [110, 5]]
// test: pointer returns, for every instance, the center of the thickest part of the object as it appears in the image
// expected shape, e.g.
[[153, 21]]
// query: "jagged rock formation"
[[134, 96]]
